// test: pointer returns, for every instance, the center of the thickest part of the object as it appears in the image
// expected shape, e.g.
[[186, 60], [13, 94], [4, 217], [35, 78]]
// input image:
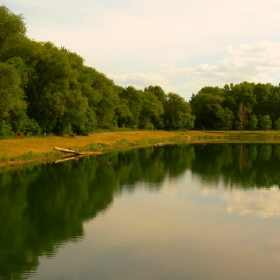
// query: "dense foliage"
[[44, 88], [241, 106]]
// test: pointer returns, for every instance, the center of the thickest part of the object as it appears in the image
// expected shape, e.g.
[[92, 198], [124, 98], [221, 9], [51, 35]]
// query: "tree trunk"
[[68, 151]]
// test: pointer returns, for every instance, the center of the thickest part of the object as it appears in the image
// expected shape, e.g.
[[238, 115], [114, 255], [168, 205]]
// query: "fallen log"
[[68, 151], [67, 158], [159, 144]]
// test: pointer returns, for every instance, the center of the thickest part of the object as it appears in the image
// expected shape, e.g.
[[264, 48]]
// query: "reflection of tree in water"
[[40, 214], [241, 158], [246, 165], [43, 207]]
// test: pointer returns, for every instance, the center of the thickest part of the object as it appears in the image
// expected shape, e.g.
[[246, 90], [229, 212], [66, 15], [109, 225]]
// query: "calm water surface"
[[189, 212]]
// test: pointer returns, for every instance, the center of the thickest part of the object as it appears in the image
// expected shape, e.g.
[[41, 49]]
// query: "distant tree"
[[123, 114], [277, 124], [151, 111], [207, 106], [158, 92], [12, 103], [178, 113], [88, 126], [242, 116], [264, 96], [240, 93], [253, 122], [265, 123], [133, 99], [226, 119], [11, 95]]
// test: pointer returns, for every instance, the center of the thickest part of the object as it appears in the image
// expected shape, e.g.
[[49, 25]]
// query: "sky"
[[180, 45]]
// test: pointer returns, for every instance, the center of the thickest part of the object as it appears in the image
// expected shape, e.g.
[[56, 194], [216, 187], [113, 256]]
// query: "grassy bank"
[[14, 151]]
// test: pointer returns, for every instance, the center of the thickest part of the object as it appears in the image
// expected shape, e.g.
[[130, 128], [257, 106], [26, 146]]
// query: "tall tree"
[[242, 116]]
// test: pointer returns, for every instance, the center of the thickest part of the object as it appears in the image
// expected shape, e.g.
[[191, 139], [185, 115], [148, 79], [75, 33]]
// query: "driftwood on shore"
[[68, 151], [68, 158]]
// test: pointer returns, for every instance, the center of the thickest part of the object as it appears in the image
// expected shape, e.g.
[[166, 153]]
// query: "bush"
[[32, 128], [5, 130], [4, 158], [27, 156]]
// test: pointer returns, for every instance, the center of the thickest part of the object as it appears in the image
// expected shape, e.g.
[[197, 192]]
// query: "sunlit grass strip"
[[37, 148]]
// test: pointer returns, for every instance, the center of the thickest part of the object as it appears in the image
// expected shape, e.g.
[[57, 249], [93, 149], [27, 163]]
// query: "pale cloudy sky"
[[180, 45]]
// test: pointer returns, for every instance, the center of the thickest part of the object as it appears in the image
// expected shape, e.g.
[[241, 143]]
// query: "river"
[[199, 211]]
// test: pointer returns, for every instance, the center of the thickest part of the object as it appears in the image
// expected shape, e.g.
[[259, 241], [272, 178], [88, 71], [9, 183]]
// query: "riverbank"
[[19, 151]]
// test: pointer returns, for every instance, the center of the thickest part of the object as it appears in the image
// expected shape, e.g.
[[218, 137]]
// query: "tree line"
[[241, 106], [44, 88]]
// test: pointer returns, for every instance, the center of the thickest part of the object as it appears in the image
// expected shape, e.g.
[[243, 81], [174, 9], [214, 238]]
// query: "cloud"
[[141, 80], [253, 63], [263, 203], [180, 45]]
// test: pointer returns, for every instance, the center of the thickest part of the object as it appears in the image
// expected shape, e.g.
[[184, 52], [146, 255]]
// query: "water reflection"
[[45, 206], [263, 203]]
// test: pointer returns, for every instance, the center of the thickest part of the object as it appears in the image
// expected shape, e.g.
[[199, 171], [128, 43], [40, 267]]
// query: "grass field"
[[13, 148]]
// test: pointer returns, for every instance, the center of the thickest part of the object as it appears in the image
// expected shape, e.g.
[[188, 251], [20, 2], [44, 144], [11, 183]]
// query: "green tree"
[[133, 98], [54, 91], [264, 99], [151, 112], [10, 24], [207, 106], [178, 113], [5, 130], [12, 103], [102, 95], [92, 85], [158, 92], [253, 122], [265, 123], [277, 124], [240, 93], [226, 119]]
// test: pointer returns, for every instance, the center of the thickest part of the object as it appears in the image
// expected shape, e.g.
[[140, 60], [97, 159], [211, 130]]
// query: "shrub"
[[4, 158], [5, 130], [32, 128]]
